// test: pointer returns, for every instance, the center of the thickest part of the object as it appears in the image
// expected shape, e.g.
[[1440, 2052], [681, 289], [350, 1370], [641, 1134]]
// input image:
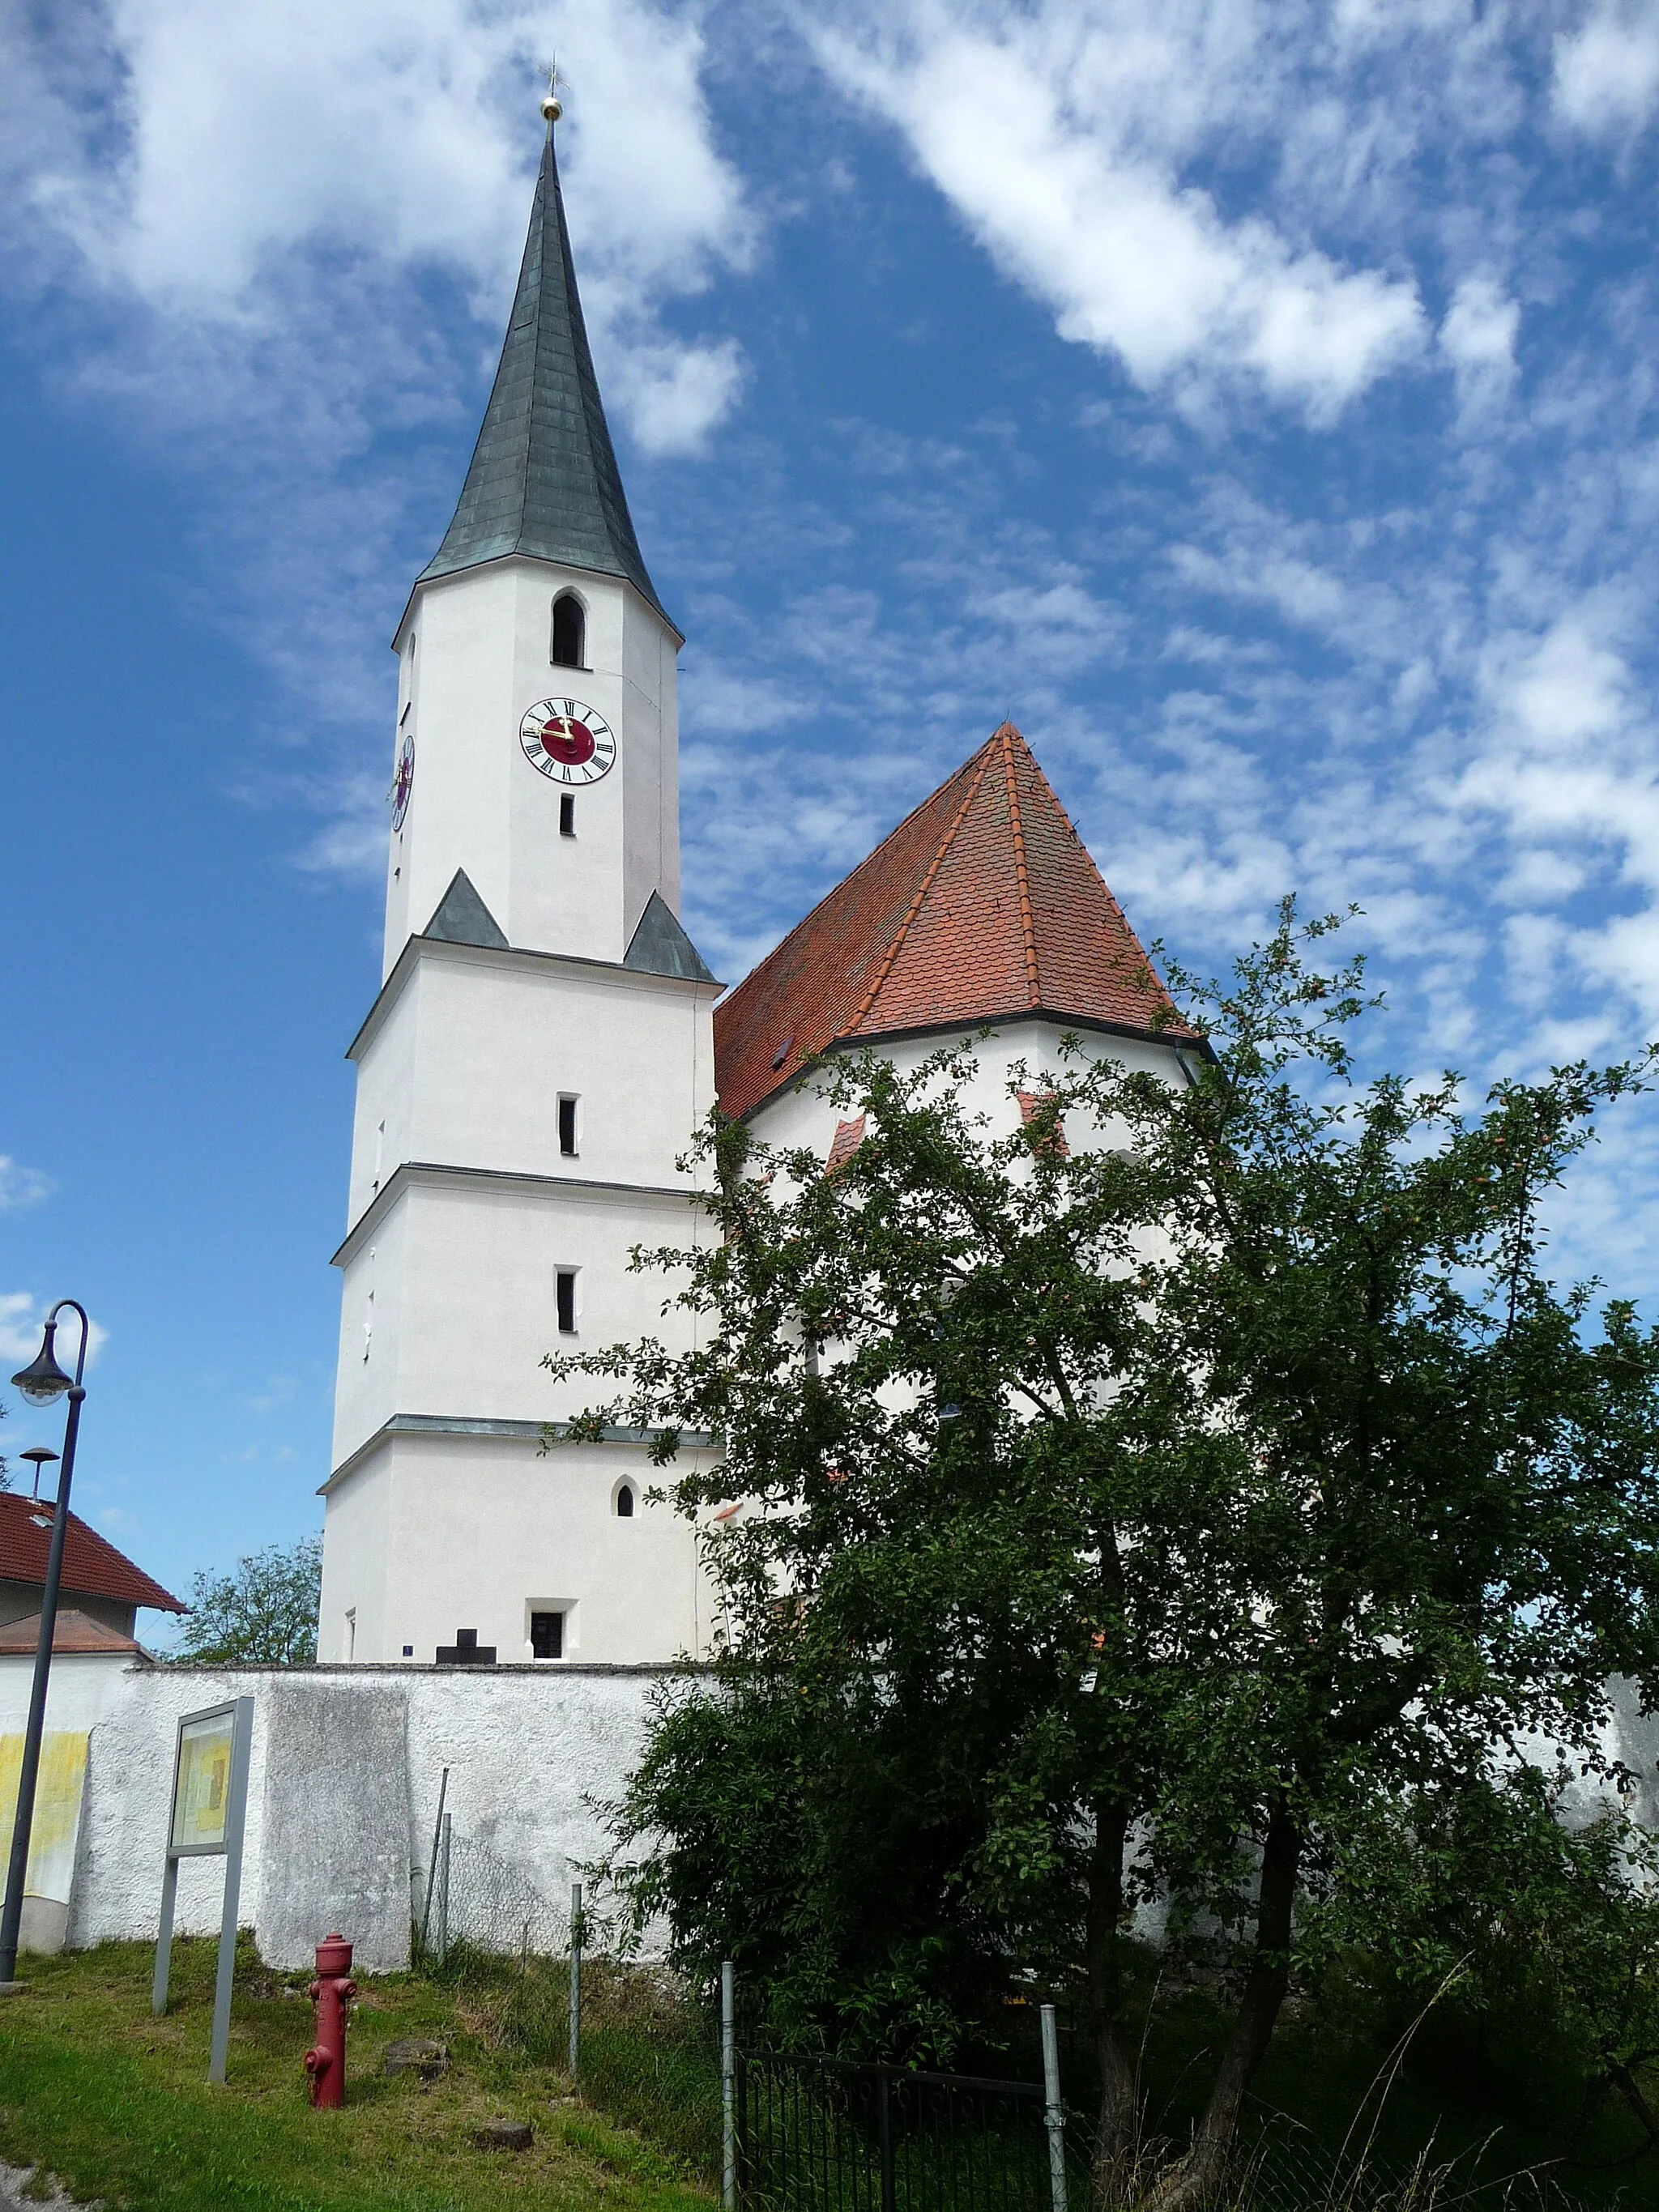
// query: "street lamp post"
[[42, 1383]]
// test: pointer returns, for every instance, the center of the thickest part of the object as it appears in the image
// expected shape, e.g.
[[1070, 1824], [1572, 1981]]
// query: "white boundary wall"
[[344, 1788]]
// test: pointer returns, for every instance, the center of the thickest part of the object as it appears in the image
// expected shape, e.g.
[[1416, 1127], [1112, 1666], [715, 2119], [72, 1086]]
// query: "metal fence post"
[[728, 2089], [432, 1869], [443, 1897], [1054, 2112], [576, 1977], [884, 2137]]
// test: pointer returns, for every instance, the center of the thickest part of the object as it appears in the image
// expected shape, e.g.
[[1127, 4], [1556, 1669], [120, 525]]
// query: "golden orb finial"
[[552, 105]]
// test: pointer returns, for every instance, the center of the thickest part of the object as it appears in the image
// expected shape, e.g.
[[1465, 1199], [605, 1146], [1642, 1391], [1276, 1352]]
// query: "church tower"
[[538, 1058]]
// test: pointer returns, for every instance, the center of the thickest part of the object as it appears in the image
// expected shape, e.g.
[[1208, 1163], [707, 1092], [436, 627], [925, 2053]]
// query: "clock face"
[[568, 742], [402, 781]]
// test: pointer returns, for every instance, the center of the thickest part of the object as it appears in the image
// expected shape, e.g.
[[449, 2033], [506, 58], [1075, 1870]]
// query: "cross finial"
[[552, 105]]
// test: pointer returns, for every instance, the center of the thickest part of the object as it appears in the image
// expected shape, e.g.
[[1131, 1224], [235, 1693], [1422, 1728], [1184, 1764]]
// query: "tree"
[[1135, 1503], [264, 1613]]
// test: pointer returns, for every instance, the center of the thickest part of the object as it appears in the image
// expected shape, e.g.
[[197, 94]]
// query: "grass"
[[116, 2105]]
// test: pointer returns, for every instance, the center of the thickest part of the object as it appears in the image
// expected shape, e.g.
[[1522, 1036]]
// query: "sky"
[[1255, 402]]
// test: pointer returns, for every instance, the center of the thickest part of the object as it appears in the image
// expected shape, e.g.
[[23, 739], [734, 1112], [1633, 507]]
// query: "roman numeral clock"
[[569, 743]]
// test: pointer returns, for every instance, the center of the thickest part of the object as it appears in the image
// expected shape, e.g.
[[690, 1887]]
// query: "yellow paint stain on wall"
[[58, 1797]]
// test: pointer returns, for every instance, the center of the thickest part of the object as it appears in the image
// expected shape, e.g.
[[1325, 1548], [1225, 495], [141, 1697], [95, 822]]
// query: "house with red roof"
[[101, 1591]]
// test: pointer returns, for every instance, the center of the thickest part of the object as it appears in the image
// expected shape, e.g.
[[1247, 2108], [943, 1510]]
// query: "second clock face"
[[568, 742]]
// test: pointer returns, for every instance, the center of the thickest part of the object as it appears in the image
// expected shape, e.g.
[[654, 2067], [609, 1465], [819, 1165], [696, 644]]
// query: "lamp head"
[[43, 1381]]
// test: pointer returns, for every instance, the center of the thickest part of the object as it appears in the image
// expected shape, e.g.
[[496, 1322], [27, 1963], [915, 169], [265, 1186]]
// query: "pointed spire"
[[543, 479]]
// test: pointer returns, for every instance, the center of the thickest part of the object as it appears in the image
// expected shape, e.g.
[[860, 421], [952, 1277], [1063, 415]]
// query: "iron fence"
[[815, 2134]]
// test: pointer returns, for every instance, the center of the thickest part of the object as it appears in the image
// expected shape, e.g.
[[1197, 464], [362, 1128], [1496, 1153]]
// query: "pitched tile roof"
[[90, 1565], [983, 904], [70, 1631]]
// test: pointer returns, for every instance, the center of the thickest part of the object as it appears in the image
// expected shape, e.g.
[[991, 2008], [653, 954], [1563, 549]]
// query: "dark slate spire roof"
[[543, 478], [659, 946], [462, 917]]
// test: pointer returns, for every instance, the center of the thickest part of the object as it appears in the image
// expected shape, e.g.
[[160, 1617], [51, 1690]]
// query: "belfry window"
[[569, 632], [625, 1501]]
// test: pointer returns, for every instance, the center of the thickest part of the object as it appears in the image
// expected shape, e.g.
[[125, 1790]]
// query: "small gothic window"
[[625, 1503], [569, 627]]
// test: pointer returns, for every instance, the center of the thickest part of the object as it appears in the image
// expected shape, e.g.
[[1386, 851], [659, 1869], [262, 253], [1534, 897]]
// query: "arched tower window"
[[625, 1502], [569, 632]]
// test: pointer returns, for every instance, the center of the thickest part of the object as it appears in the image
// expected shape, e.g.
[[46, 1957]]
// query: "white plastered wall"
[[431, 1533], [476, 653], [342, 1789]]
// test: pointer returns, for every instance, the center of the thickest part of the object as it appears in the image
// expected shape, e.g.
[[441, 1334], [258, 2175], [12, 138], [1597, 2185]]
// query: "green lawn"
[[117, 2105]]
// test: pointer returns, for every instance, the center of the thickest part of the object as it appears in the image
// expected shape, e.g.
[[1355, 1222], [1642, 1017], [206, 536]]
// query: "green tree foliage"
[[264, 1613], [1138, 1505]]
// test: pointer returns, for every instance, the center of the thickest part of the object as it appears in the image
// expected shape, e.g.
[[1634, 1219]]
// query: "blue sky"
[[1256, 402]]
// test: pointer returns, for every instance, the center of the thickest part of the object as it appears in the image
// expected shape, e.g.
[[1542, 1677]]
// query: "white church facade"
[[547, 1039]]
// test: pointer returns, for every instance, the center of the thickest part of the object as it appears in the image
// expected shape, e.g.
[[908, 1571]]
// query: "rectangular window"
[[547, 1635], [567, 814], [566, 1296], [567, 1124]]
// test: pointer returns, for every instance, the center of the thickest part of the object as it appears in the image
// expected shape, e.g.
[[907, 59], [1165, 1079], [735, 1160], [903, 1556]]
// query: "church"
[[547, 1038]]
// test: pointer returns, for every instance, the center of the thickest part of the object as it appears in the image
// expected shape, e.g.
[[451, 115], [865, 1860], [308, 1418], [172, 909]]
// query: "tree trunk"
[[1200, 2174], [1117, 2139]]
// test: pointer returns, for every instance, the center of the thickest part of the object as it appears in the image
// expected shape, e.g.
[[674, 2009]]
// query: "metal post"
[[443, 1897], [576, 1935], [884, 2136], [158, 1988], [728, 2088], [432, 1869], [241, 1747], [11, 1916], [1053, 2112]]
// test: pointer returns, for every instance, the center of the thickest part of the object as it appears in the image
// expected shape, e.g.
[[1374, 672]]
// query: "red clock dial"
[[567, 739], [568, 742]]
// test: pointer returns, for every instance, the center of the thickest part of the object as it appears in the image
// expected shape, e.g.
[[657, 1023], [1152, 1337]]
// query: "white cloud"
[[1060, 134], [1478, 337], [22, 1186], [1606, 72], [259, 142], [21, 1316]]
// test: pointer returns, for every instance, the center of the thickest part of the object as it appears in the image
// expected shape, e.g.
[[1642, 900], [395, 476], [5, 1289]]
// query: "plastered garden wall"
[[343, 1791]]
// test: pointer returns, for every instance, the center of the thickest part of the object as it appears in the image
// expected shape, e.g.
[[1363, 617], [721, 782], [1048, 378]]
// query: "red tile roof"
[[70, 1631], [90, 1566], [983, 904]]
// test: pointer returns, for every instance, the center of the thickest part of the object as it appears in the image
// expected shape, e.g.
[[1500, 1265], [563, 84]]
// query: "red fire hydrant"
[[331, 1993]]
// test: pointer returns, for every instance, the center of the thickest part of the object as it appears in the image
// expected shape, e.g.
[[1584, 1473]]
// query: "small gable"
[[659, 946], [462, 918]]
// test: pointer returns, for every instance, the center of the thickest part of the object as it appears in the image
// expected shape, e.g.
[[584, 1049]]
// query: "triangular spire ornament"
[[462, 917], [543, 479], [659, 946]]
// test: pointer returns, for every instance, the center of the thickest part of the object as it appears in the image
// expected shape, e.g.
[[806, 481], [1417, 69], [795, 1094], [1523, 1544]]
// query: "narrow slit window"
[[569, 627], [568, 1126], [567, 814], [566, 1280], [547, 1635], [625, 1502]]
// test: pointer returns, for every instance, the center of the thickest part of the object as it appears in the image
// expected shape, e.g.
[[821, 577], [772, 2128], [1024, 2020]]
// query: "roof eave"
[[540, 561], [1177, 1040]]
